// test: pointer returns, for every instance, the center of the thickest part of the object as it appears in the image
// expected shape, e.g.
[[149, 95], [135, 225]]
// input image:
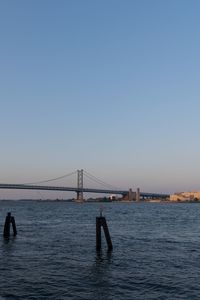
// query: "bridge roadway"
[[75, 189]]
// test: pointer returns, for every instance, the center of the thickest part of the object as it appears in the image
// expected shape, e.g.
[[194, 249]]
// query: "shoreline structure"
[[185, 196], [176, 197]]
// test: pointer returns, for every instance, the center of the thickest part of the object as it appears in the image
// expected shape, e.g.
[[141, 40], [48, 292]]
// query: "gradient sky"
[[108, 86]]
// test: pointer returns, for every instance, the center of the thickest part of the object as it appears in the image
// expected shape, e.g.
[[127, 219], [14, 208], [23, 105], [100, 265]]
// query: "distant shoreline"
[[96, 201]]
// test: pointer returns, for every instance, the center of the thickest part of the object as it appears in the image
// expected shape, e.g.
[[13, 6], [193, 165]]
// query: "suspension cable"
[[53, 179], [87, 174], [99, 181]]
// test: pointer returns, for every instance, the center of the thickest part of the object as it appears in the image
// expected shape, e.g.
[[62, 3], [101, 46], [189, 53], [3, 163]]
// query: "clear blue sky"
[[108, 86]]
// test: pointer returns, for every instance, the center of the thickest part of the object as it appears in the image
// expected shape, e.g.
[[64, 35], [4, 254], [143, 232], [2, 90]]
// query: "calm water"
[[156, 252]]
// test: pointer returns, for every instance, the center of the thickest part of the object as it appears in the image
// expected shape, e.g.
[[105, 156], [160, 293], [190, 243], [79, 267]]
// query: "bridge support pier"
[[130, 196], [79, 196], [138, 194]]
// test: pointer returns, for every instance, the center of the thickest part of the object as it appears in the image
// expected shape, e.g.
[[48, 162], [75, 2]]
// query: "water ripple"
[[156, 252]]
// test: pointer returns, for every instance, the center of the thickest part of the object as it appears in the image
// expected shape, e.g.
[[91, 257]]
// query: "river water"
[[156, 251]]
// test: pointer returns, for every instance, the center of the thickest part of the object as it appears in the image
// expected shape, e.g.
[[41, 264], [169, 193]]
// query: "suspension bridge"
[[128, 195]]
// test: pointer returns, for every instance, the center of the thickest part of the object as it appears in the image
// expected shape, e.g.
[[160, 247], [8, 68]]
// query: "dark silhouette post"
[[101, 222], [98, 234], [9, 220], [106, 232], [14, 226], [6, 232]]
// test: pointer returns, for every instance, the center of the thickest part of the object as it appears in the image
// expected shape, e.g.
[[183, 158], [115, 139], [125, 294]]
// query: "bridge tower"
[[79, 197]]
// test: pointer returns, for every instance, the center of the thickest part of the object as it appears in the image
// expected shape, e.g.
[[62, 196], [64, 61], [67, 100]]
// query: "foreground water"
[[156, 252]]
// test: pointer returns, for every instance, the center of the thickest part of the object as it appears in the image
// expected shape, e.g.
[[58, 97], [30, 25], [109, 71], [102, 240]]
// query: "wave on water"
[[155, 252]]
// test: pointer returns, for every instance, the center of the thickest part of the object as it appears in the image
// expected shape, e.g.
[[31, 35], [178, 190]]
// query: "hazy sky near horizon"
[[111, 87]]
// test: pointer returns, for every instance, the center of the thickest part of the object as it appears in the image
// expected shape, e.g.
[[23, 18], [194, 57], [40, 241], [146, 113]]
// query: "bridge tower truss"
[[80, 185]]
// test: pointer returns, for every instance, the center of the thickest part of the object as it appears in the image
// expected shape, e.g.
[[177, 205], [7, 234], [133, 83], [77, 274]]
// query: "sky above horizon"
[[111, 87]]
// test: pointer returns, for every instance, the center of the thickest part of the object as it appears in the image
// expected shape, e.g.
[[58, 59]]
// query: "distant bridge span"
[[79, 190]]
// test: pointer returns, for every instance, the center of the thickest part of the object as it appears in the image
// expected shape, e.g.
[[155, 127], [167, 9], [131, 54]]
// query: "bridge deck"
[[75, 189]]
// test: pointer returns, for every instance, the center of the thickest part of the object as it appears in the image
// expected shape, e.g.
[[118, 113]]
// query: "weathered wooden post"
[[6, 232], [101, 222], [14, 226], [107, 234], [98, 233], [8, 221]]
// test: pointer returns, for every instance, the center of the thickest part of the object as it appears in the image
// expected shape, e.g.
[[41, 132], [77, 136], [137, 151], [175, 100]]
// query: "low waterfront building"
[[185, 196]]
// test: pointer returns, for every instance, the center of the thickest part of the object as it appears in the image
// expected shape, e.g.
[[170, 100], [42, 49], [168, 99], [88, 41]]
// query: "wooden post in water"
[[8, 221], [107, 234], [14, 226], [101, 222], [6, 232], [98, 233]]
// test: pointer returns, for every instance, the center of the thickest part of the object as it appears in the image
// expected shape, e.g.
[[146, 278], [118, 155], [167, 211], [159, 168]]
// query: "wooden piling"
[[9, 220], [6, 232], [101, 222], [13, 226], [107, 234], [98, 234]]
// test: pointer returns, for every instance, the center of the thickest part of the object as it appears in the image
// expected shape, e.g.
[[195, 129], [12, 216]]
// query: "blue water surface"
[[156, 251]]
